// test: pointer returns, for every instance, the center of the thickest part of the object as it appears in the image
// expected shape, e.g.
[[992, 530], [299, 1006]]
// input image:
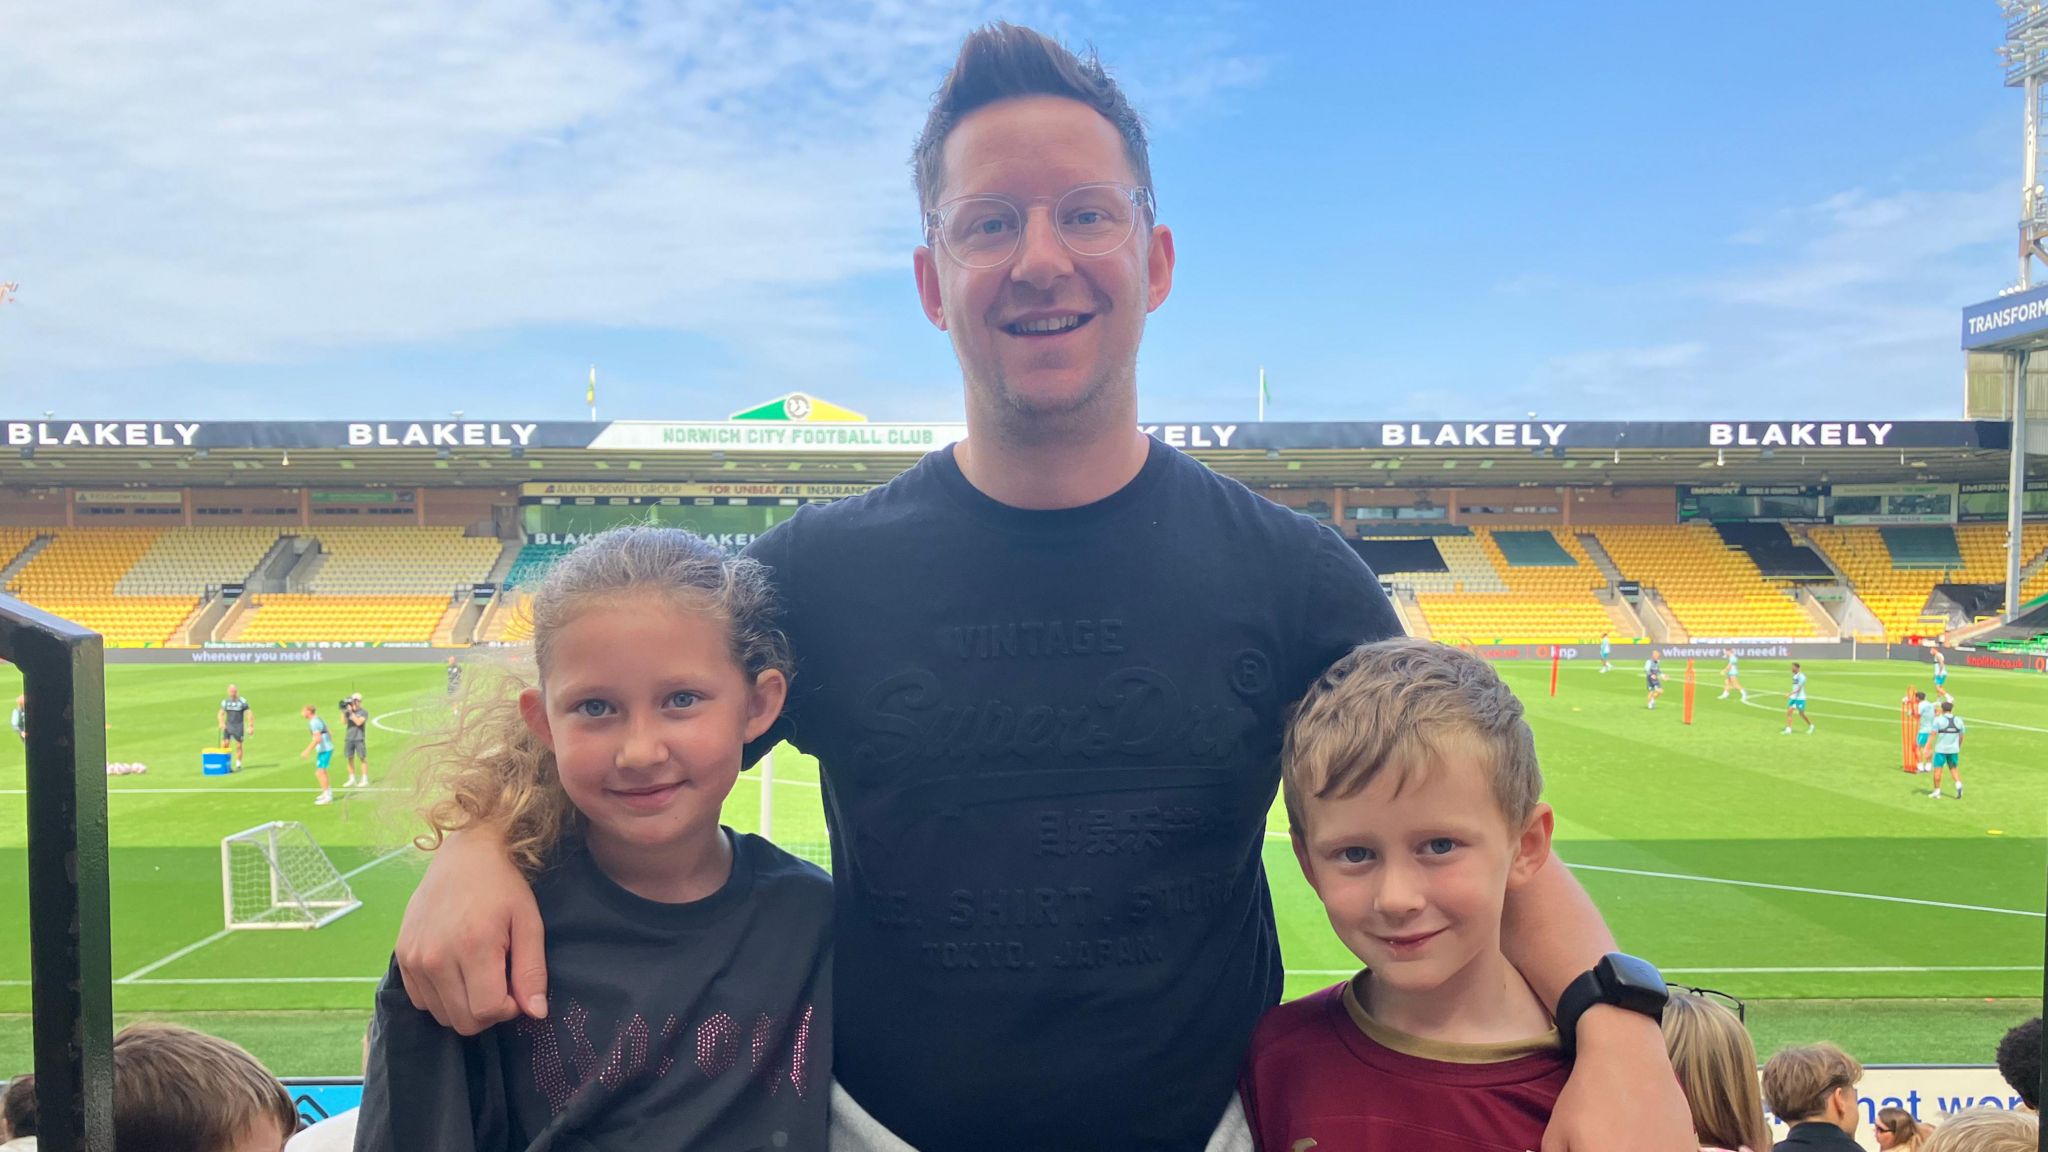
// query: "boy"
[[1948, 749], [1653, 675], [176, 1090], [322, 743], [1731, 677], [1812, 1087], [1411, 786], [1795, 704]]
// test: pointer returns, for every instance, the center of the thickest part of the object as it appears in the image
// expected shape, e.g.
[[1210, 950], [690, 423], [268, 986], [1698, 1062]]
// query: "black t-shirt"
[[704, 1026], [1049, 742], [234, 707]]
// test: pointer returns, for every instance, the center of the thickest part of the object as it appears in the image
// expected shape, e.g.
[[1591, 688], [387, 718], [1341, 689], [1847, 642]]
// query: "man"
[[1948, 748], [322, 743], [1606, 664], [1045, 672], [235, 722], [454, 676], [18, 719], [1731, 677], [1812, 1087], [1653, 677], [1795, 704], [355, 746], [1941, 675]]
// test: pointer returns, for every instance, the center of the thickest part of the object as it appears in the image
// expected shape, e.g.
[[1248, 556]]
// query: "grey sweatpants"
[[853, 1130]]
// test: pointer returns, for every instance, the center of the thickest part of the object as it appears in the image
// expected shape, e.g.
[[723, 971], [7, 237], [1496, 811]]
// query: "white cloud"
[[242, 182]]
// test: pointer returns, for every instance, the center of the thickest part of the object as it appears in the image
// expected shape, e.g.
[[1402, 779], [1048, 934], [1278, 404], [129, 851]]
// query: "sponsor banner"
[[234, 657], [125, 496], [745, 436], [2008, 661], [734, 542], [2009, 321], [534, 491], [1930, 1093], [814, 436]]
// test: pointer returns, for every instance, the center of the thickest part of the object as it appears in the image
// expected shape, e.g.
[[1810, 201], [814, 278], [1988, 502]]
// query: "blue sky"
[[401, 208]]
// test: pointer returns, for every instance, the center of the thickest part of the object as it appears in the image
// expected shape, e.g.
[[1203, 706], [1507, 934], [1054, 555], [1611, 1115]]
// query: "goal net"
[[275, 876]]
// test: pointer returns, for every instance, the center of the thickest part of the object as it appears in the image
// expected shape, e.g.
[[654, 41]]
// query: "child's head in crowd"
[[1411, 785], [657, 661], [176, 1090], [1987, 1130], [1716, 1065], [1813, 1082]]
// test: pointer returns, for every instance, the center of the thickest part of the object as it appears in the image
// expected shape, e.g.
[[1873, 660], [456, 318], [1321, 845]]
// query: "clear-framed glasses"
[[1722, 998], [1091, 220]]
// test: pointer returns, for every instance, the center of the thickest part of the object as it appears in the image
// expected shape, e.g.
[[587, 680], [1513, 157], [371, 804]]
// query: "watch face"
[[1636, 975]]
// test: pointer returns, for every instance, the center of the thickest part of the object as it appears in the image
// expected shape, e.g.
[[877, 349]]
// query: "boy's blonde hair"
[[1986, 1130], [1799, 1079], [1716, 1065], [490, 769], [176, 1090], [1405, 705]]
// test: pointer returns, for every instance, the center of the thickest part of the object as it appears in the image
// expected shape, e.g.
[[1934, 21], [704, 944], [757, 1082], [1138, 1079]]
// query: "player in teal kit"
[[1948, 748], [1795, 704], [1606, 665], [322, 743], [1925, 740], [1731, 677]]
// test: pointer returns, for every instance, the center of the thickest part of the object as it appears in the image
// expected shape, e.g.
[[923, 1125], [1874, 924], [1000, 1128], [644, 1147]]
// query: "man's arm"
[[471, 922], [1622, 1094]]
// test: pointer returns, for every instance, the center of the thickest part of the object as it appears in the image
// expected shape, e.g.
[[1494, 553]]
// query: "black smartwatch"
[[1620, 980]]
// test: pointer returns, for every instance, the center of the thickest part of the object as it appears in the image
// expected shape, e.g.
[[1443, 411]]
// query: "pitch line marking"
[[1805, 891], [136, 976]]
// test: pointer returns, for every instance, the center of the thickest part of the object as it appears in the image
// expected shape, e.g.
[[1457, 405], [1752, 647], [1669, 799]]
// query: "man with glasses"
[[1045, 673]]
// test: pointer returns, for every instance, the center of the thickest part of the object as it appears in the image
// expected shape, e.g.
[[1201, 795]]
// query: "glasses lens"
[[1095, 218], [981, 233]]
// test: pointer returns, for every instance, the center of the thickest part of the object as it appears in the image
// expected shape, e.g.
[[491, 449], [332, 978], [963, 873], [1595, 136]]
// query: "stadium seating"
[[185, 561], [394, 561], [309, 618], [1715, 591], [75, 576], [1774, 552], [1538, 590], [13, 540], [533, 562], [1894, 569]]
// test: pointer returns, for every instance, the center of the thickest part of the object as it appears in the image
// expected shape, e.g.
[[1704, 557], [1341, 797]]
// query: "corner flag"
[[1265, 394], [590, 394]]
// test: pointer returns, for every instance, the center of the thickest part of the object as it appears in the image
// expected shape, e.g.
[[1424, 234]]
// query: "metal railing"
[[71, 974]]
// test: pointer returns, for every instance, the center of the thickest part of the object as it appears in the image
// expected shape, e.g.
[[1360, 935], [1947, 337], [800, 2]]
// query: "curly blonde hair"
[[487, 768]]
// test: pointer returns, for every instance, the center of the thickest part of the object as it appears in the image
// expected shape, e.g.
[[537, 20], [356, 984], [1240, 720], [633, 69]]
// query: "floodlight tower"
[[2025, 52]]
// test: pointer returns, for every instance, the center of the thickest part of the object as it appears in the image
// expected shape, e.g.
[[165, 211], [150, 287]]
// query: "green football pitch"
[[1806, 874]]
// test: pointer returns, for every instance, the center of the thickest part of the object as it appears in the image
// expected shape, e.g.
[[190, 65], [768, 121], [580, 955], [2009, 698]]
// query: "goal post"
[[276, 876]]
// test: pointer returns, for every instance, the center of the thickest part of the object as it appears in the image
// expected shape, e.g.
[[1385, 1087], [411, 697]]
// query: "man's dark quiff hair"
[[999, 61]]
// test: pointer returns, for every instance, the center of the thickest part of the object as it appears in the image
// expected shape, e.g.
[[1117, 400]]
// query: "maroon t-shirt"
[[1324, 1076]]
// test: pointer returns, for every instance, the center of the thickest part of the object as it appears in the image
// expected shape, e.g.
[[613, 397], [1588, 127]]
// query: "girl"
[[1896, 1129], [689, 996], [1716, 1065]]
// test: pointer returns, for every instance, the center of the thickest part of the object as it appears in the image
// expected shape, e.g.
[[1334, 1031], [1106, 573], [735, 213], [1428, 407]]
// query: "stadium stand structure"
[[1895, 569], [76, 576], [380, 585], [1713, 589], [187, 561], [1500, 585]]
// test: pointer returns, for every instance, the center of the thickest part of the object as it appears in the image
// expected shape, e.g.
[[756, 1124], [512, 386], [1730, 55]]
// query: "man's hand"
[[1622, 1095], [471, 920]]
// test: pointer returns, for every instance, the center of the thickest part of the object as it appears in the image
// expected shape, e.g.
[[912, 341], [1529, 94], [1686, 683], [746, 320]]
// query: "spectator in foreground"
[[2019, 1061], [1716, 1065], [1812, 1087], [1987, 1130], [1896, 1129], [176, 1090], [18, 1115]]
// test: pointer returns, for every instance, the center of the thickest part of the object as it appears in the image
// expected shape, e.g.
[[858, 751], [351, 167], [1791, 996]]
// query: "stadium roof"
[[1413, 454]]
